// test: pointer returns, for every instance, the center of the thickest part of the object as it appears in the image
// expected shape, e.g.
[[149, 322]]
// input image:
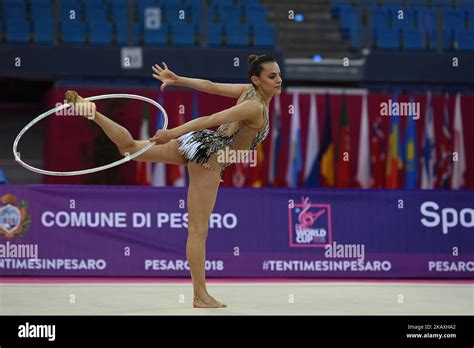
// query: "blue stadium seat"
[[182, 34], [464, 39], [137, 34], [349, 18], [41, 3], [88, 4], [43, 30], [118, 3], [379, 19], [173, 13], [142, 11], [388, 39], [366, 3], [453, 19], [255, 14], [465, 3], [448, 39], [121, 31], [426, 18], [230, 14], [120, 14], [393, 3], [265, 35], [196, 13], [73, 31], [96, 14], [237, 35], [156, 36], [14, 9], [440, 3], [142, 4], [215, 34], [41, 12], [221, 3], [67, 8], [470, 18], [100, 33], [414, 3], [248, 2], [408, 20], [413, 39], [18, 30]]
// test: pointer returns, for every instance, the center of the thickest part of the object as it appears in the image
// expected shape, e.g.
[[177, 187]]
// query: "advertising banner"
[[114, 231]]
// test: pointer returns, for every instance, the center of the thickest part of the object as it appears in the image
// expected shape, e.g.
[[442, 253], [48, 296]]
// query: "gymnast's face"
[[269, 80]]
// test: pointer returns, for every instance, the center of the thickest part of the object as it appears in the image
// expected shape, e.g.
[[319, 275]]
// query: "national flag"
[[428, 171], [257, 173], [394, 152], [311, 171], [295, 152], [363, 163], [343, 167], [238, 176], [459, 166], [378, 156], [326, 152], [275, 141], [445, 167], [410, 157]]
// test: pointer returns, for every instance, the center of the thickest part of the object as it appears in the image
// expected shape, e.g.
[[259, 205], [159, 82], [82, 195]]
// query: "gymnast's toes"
[[71, 96]]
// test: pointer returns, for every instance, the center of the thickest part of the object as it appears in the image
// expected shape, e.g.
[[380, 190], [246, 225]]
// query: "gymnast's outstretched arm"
[[167, 77], [250, 109]]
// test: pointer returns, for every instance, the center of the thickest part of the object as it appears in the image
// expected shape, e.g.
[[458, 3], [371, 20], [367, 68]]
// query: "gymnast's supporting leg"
[[167, 153], [202, 194]]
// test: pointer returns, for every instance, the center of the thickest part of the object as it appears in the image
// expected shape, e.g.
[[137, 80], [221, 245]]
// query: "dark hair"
[[255, 63]]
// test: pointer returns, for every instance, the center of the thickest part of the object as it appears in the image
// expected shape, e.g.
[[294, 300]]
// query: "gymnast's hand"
[[164, 75], [161, 136]]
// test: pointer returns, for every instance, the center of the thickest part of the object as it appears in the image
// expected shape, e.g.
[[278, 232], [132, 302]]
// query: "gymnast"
[[241, 127]]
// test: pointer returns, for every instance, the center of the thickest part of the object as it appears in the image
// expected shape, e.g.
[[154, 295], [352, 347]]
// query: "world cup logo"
[[309, 224]]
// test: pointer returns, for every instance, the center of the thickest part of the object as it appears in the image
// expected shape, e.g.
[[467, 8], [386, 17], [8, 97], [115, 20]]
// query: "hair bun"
[[252, 58]]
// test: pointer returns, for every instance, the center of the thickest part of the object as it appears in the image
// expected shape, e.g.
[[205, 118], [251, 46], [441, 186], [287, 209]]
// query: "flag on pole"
[[275, 141], [459, 166], [378, 156], [410, 157], [363, 162], [159, 169], [428, 172], [394, 152], [343, 167], [257, 173], [311, 170], [326, 153], [445, 167], [295, 152], [144, 168]]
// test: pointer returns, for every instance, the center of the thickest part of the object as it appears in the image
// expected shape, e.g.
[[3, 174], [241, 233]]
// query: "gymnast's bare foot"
[[207, 302], [81, 106]]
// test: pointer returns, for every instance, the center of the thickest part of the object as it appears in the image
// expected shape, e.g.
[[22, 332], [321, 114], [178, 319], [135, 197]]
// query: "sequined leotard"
[[203, 146]]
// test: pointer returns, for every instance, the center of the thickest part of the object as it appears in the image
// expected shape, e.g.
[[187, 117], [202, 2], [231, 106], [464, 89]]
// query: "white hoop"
[[93, 170]]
